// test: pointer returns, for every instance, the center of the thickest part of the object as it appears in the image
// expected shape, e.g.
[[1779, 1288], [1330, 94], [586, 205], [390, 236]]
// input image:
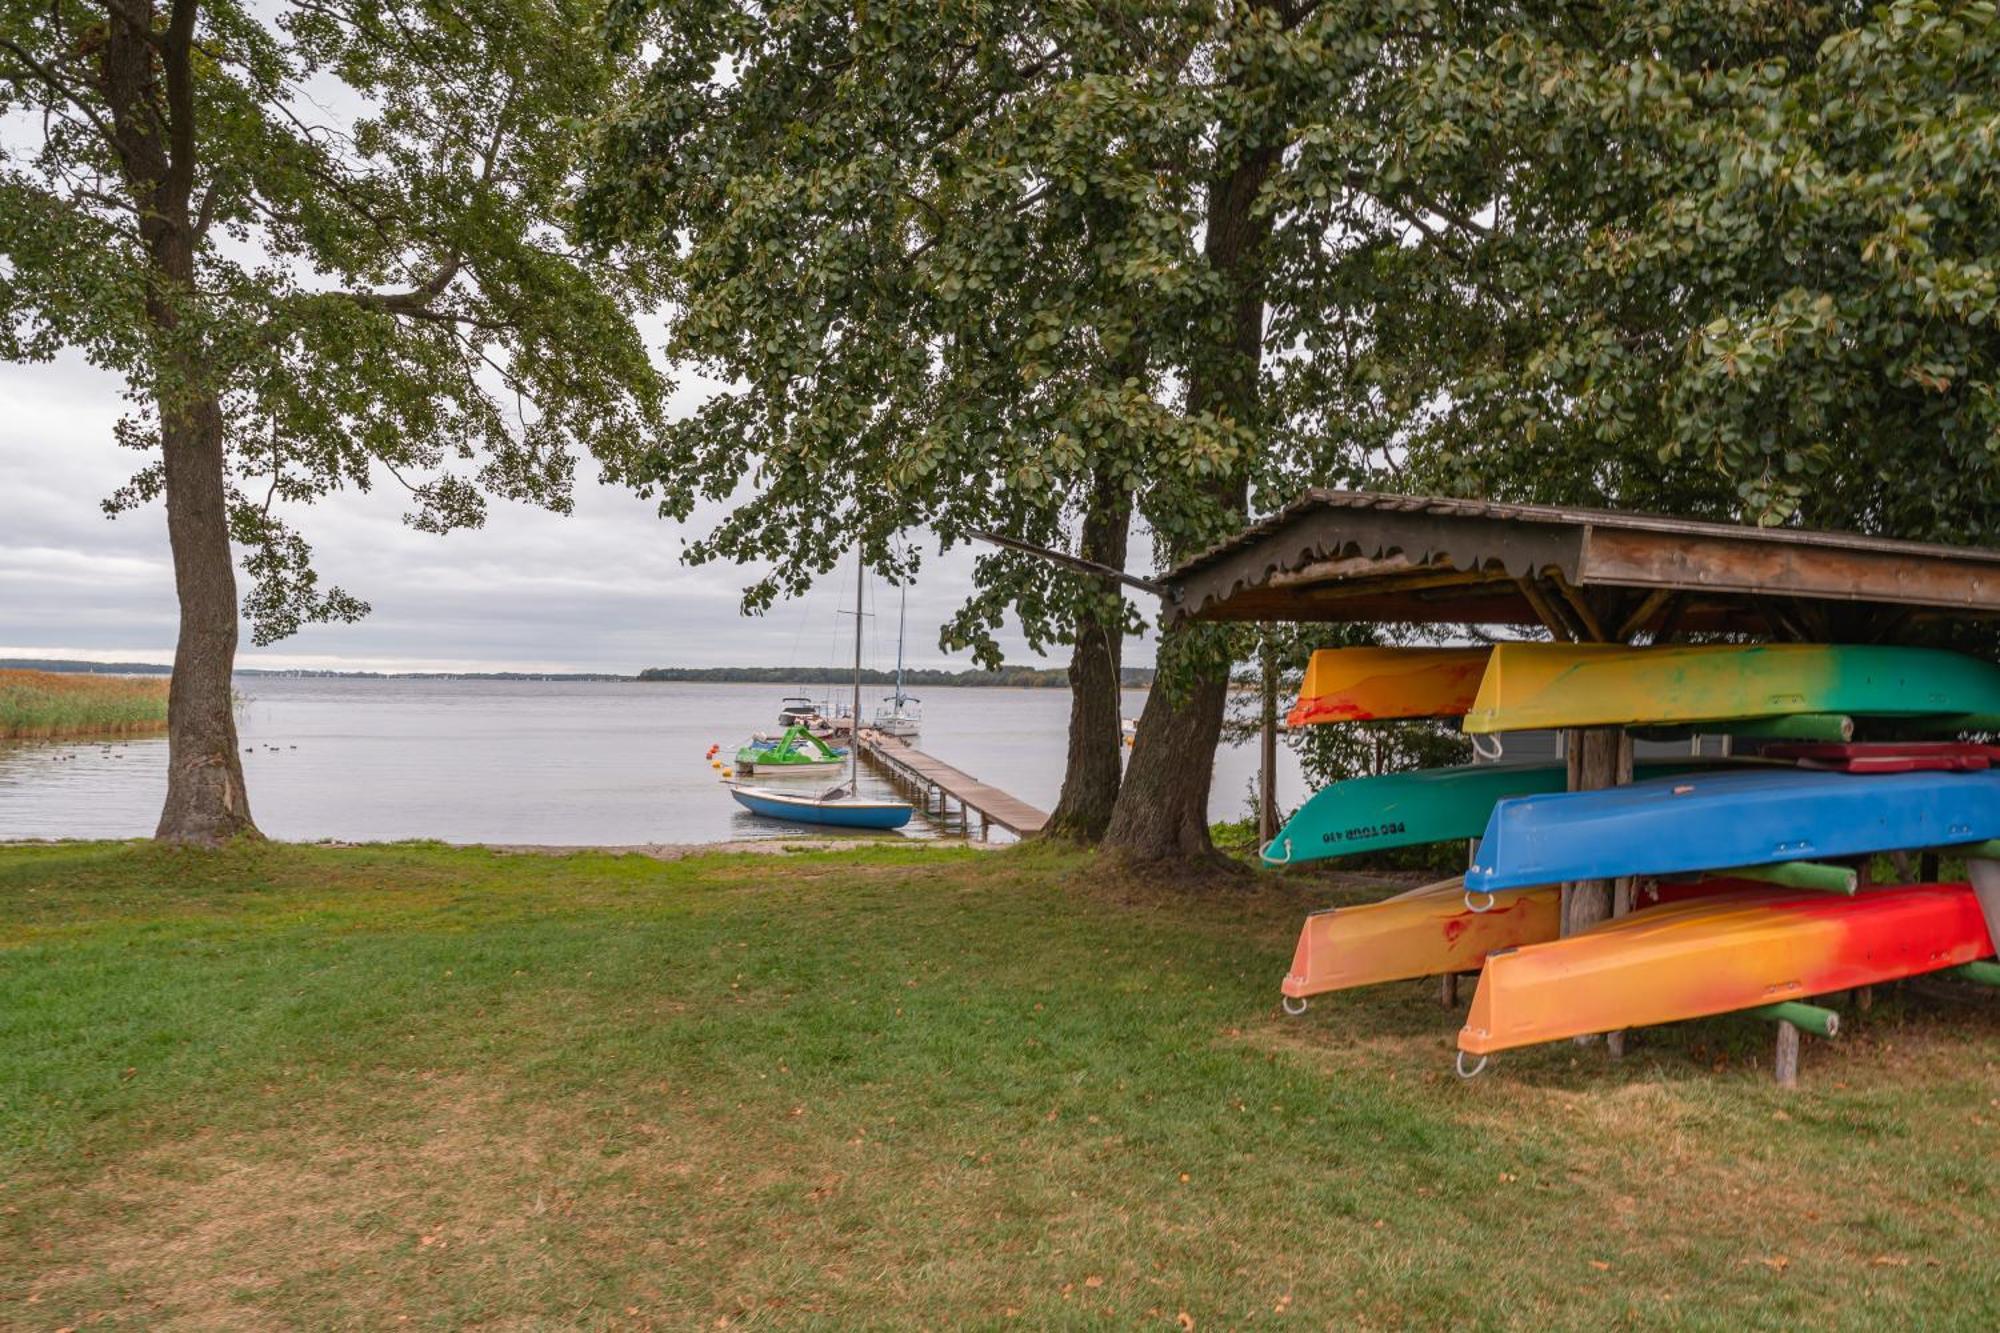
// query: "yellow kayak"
[[1364, 684], [1536, 685]]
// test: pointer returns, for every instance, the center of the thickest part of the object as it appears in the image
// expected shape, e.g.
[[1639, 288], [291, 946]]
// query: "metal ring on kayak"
[[1479, 749], [1292, 1006], [1473, 1072], [1491, 899], [1269, 860]]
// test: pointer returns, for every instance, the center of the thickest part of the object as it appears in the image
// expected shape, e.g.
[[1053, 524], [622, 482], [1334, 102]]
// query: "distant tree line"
[[1018, 677]]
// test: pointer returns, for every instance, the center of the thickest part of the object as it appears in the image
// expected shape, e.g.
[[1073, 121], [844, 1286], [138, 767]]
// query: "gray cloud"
[[601, 590]]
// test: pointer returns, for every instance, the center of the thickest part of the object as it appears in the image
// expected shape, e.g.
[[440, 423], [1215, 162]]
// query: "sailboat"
[[840, 806], [899, 714]]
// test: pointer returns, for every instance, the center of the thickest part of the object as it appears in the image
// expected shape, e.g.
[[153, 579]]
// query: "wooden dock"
[[937, 784]]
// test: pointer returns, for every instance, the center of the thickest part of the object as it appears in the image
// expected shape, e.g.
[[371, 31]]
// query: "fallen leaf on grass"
[[1093, 1281], [1600, 1265], [1185, 1320], [1889, 1261]]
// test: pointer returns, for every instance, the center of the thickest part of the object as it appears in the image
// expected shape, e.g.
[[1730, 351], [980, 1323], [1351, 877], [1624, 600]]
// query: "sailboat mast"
[[854, 720], [902, 615]]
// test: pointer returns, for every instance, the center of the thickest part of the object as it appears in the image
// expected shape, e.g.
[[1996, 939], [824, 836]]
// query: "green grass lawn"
[[413, 1086]]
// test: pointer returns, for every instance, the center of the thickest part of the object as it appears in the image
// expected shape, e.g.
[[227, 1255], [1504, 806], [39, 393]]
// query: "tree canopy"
[[1730, 261], [381, 293]]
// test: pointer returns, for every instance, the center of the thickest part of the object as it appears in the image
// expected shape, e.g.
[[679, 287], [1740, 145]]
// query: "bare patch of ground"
[[679, 851]]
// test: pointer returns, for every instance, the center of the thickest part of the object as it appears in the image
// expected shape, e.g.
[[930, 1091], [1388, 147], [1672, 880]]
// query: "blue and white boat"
[[842, 807], [1724, 821], [836, 809]]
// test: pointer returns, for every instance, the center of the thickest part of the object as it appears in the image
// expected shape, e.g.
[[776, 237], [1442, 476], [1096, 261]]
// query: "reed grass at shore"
[[46, 705]]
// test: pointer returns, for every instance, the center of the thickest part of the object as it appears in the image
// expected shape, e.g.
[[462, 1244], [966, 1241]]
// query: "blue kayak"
[[1720, 821], [838, 812]]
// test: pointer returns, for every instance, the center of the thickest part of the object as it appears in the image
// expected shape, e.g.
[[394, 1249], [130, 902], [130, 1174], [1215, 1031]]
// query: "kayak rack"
[[938, 786]]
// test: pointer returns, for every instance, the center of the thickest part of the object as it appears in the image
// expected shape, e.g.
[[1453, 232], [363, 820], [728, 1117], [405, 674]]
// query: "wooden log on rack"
[[1785, 1068]]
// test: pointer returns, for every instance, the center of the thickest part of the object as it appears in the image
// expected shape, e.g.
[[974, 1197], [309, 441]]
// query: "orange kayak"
[[1365, 684], [1422, 933], [1430, 931], [1716, 955]]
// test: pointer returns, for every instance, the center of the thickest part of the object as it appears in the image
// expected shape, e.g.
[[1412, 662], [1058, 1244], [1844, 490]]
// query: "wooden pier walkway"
[[932, 779]]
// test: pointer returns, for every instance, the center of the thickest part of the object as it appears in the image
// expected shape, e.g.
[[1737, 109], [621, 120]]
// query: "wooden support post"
[[1448, 983], [1267, 770], [1621, 888], [1593, 755], [1927, 867], [1786, 1066]]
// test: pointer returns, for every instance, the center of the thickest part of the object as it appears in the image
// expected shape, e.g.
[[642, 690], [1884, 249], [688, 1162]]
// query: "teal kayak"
[[1428, 805]]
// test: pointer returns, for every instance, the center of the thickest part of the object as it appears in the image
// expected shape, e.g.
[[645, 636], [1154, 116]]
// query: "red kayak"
[[1718, 955], [1888, 756]]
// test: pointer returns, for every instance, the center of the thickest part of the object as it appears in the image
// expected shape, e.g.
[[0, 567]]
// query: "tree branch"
[[176, 55], [206, 214], [62, 90], [417, 300]]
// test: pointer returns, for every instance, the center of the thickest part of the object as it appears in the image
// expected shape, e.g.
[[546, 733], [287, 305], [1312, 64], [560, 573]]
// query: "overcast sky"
[[601, 590]]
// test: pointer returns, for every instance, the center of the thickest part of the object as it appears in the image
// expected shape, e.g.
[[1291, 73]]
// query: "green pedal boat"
[[796, 751], [1427, 805]]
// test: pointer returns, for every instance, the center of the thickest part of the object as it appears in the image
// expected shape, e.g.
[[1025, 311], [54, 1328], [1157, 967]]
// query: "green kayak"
[[1427, 805]]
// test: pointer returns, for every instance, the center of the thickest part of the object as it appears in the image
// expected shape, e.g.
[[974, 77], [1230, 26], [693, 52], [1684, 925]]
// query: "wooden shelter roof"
[[1585, 574]]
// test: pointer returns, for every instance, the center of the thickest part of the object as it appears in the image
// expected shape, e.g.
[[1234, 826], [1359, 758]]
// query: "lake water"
[[531, 762]]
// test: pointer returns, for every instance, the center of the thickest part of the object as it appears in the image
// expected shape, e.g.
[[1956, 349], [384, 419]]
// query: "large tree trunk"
[[1162, 810], [147, 77], [1091, 777], [206, 800]]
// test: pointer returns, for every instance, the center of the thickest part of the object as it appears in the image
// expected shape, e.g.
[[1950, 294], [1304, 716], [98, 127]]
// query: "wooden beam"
[[1763, 567], [1670, 619], [1888, 627], [1333, 589], [1642, 615], [1586, 617], [1813, 617], [1352, 567], [1074, 563], [1553, 622]]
